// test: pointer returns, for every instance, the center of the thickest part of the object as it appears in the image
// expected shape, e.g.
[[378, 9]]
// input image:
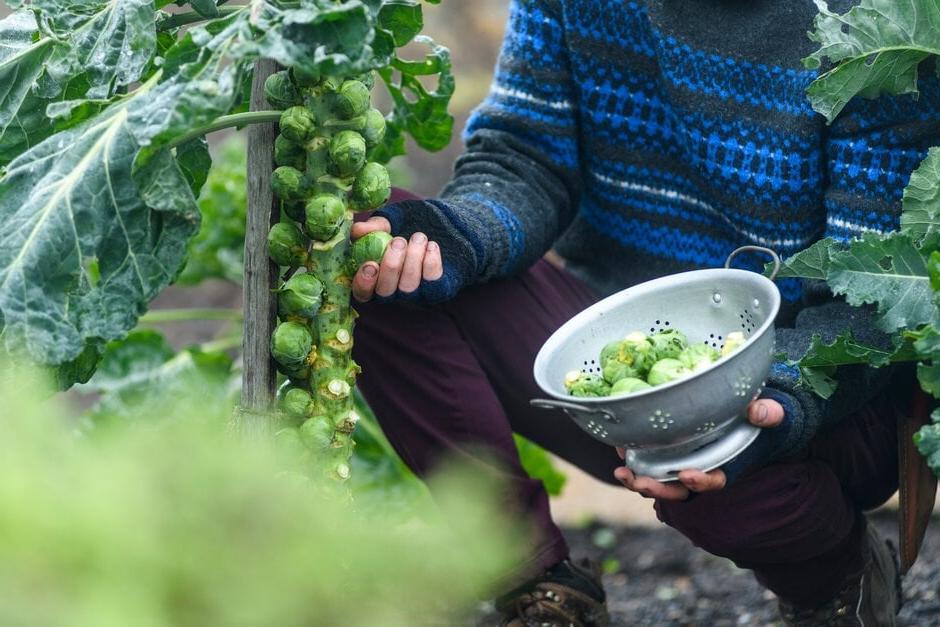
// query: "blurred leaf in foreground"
[[181, 523]]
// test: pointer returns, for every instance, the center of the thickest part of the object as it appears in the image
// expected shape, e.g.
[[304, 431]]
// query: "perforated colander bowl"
[[694, 422]]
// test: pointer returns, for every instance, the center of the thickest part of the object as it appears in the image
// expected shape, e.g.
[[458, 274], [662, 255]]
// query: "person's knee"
[[792, 507]]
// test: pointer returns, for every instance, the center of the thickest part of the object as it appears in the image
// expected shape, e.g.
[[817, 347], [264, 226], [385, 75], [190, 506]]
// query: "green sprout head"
[[297, 124], [698, 357], [305, 78], [615, 370], [288, 153], [317, 433], [733, 342], [586, 385], [629, 385], [666, 370], [291, 344], [279, 91], [373, 127], [300, 296], [369, 247], [372, 187], [668, 344], [352, 99], [324, 215], [287, 245], [636, 351], [296, 402], [347, 153], [288, 183]]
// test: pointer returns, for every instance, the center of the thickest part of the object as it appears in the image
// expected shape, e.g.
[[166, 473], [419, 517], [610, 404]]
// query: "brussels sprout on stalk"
[[733, 342], [317, 433], [352, 99], [666, 370], [288, 183], [586, 385], [287, 245], [373, 127], [305, 78], [372, 188], [347, 153], [668, 344], [324, 215], [300, 296], [297, 124], [291, 344], [369, 247], [295, 211], [629, 385], [288, 153], [296, 403], [279, 90]]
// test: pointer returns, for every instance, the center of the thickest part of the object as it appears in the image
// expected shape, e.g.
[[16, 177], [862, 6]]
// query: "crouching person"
[[634, 140]]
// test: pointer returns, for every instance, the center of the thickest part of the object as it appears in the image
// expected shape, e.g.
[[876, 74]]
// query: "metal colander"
[[695, 422]]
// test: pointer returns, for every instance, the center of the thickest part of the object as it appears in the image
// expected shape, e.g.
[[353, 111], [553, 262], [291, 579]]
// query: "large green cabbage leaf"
[[877, 48]]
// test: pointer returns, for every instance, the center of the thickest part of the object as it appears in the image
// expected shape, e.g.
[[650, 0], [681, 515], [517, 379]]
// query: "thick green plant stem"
[[227, 121], [191, 17], [159, 316], [322, 175]]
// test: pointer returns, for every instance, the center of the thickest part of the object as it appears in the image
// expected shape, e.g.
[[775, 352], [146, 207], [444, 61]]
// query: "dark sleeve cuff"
[[784, 440], [459, 258]]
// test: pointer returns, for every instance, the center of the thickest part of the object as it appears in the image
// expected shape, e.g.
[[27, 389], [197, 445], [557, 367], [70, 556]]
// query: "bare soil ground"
[[656, 577]]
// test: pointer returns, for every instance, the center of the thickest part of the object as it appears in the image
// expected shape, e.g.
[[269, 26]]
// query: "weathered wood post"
[[259, 373]]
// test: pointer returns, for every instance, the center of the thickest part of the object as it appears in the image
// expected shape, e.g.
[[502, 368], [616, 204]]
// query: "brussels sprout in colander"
[[639, 361], [586, 385]]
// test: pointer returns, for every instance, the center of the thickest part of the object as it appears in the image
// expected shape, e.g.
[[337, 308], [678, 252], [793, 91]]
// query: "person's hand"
[[764, 413], [405, 265]]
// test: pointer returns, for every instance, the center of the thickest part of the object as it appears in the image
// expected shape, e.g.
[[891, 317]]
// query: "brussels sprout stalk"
[[321, 123]]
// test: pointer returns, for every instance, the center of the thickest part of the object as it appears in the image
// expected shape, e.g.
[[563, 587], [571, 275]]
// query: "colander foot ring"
[[664, 463]]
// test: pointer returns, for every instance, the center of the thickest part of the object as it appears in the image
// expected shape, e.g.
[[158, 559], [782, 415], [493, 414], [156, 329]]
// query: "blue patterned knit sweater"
[[643, 138]]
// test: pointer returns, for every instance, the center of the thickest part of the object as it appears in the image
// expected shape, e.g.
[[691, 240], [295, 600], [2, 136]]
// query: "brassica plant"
[[103, 112], [879, 47]]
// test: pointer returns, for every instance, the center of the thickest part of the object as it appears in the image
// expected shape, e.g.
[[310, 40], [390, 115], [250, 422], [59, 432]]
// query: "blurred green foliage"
[[180, 522]]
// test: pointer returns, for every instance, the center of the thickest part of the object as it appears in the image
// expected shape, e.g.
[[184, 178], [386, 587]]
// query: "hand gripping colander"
[[695, 422]]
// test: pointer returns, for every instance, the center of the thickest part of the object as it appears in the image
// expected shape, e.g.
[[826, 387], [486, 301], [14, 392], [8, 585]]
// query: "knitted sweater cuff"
[[459, 258], [784, 440]]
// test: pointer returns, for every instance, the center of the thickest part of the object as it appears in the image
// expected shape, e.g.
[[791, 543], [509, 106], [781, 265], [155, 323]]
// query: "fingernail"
[[419, 238], [762, 412], [432, 246], [398, 243], [368, 271]]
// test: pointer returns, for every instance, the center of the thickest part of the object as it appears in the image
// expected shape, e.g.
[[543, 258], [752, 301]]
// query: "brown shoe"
[[871, 598], [567, 595]]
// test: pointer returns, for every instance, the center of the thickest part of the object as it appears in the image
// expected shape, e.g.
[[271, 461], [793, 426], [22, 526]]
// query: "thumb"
[[375, 223], [765, 413]]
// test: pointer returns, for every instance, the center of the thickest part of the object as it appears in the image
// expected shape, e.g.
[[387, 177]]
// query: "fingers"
[[403, 267], [698, 481], [413, 269], [375, 223], [650, 488], [765, 413], [621, 452], [390, 269], [363, 286], [433, 267]]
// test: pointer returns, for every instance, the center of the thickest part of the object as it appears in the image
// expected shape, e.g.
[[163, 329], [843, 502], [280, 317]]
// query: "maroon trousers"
[[451, 380]]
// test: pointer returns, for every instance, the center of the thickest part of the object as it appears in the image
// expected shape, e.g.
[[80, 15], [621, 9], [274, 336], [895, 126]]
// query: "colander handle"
[[757, 249], [544, 403]]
